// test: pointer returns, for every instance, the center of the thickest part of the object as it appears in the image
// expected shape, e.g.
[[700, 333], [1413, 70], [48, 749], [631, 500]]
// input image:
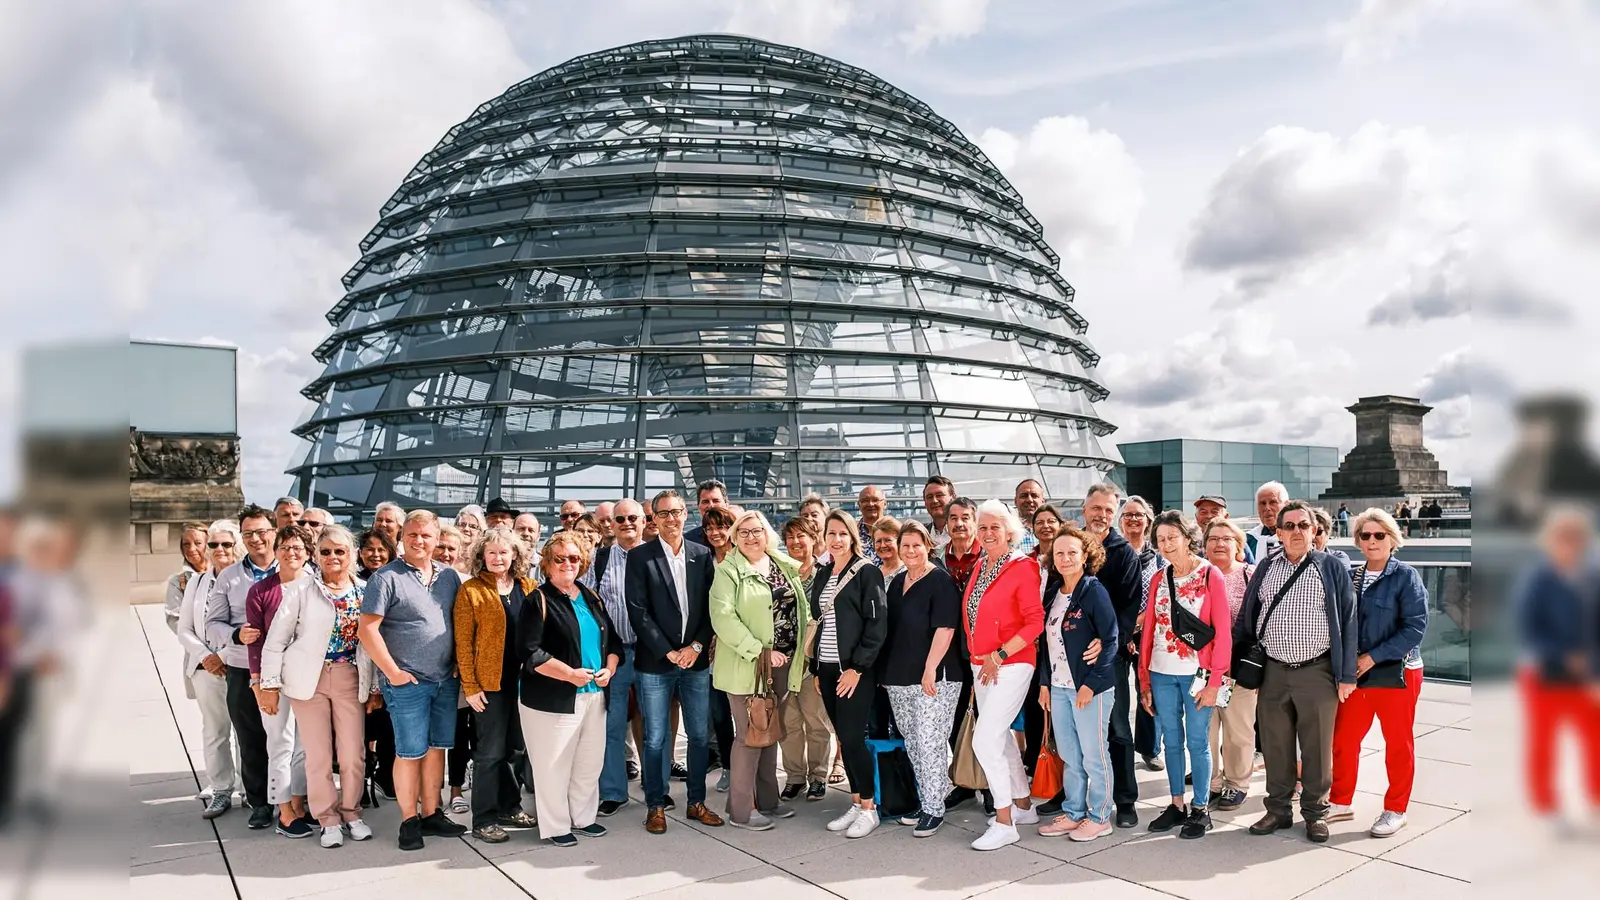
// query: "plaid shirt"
[[1298, 629]]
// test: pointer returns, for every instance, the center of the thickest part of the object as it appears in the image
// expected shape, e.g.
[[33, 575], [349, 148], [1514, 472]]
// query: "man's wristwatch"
[[697, 647]]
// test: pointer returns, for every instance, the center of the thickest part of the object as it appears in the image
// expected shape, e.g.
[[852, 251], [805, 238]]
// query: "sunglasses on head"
[[1372, 535], [215, 544]]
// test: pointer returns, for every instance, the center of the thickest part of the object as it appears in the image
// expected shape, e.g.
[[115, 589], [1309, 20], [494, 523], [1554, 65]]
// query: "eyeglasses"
[[751, 533], [573, 560], [260, 533], [1372, 535], [215, 544], [331, 551], [292, 548], [1222, 539], [630, 519], [670, 513], [1291, 526]]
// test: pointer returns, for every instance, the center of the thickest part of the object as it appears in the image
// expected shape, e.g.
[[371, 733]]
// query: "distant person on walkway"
[[1343, 515], [1392, 618]]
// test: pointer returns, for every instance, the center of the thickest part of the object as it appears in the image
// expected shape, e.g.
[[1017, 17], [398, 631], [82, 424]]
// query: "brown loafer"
[[1317, 831], [655, 821], [1271, 822], [699, 813]]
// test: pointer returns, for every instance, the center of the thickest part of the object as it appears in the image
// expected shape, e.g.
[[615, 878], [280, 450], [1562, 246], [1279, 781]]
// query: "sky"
[[1267, 209]]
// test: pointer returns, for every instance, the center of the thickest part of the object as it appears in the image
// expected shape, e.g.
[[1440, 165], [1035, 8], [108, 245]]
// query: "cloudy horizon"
[[1267, 210]]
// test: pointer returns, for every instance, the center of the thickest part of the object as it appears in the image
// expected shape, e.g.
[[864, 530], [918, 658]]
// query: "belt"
[[1301, 665]]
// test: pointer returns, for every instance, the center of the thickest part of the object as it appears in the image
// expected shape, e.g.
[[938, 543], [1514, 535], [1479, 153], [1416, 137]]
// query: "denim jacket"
[[1391, 613]]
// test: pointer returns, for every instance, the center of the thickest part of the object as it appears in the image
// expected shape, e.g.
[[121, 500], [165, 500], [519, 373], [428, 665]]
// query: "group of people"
[[383, 655]]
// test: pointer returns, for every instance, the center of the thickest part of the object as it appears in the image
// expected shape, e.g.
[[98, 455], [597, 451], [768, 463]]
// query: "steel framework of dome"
[[710, 256]]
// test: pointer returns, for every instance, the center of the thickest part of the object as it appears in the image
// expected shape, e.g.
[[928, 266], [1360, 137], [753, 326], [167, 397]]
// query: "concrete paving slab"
[[192, 876], [627, 863], [1383, 879], [1223, 866], [1075, 881], [894, 864], [1448, 744], [480, 882], [1436, 783], [1445, 850], [764, 881], [1436, 712]]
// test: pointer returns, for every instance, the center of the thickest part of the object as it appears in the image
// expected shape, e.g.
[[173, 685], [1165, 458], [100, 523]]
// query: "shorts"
[[423, 714]]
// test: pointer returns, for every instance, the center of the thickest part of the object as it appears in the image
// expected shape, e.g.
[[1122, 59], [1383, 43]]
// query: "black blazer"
[[860, 616], [653, 605], [552, 633]]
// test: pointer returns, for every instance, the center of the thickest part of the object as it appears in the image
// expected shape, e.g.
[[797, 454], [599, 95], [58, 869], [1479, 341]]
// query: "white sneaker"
[[1338, 812], [359, 830], [332, 837], [866, 822], [996, 837], [1387, 824], [1020, 816], [846, 820]]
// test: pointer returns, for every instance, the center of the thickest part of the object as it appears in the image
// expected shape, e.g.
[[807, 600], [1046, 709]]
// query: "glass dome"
[[706, 257]]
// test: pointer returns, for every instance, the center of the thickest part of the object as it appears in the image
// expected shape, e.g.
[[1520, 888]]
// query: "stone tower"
[[1389, 459]]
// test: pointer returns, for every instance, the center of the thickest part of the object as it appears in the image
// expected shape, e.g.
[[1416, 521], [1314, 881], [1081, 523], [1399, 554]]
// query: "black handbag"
[[1249, 657], [1186, 626], [897, 784]]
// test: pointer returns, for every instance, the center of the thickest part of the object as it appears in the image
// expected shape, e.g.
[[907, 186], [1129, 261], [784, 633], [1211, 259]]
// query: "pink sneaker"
[[1089, 829], [1059, 826]]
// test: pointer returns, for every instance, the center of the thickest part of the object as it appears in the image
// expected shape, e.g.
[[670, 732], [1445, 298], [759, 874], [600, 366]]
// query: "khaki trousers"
[[333, 721], [567, 752], [806, 735], [1233, 742]]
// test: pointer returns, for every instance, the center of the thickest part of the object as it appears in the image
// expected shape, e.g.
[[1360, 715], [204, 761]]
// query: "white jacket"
[[192, 619], [297, 643]]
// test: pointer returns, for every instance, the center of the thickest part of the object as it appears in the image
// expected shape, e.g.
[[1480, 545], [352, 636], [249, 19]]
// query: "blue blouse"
[[589, 646]]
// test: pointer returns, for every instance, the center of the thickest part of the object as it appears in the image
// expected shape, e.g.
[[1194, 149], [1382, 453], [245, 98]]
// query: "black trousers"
[[380, 760], [458, 755], [246, 718], [13, 722], [1034, 723], [721, 727], [1145, 734], [497, 731], [851, 717], [1124, 781]]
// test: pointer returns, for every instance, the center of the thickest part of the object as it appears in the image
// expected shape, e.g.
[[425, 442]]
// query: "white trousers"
[[992, 742], [217, 742], [286, 759], [567, 752]]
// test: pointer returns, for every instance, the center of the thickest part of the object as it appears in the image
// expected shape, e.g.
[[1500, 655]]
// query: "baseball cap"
[[1211, 498]]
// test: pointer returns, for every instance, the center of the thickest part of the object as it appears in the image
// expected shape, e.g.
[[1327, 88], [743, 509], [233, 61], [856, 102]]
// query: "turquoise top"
[[589, 647]]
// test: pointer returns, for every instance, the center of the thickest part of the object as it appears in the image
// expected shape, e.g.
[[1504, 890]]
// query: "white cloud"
[[1296, 198], [1379, 26], [1080, 182], [1465, 280], [938, 21], [811, 25]]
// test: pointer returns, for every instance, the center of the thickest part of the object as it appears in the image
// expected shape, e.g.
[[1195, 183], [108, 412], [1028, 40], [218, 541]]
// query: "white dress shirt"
[[679, 564]]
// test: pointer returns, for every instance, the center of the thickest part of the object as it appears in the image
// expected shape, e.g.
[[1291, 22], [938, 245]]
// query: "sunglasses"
[[626, 518], [331, 551], [566, 516], [574, 560], [1372, 535], [1291, 526], [215, 544]]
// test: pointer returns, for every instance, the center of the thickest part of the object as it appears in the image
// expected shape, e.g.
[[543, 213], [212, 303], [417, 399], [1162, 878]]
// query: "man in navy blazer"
[[669, 606]]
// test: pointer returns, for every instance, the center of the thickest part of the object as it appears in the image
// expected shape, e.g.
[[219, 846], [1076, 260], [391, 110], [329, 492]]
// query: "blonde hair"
[[747, 515], [500, 534], [1239, 538], [1384, 520], [849, 523], [887, 525], [547, 554], [423, 516], [452, 531]]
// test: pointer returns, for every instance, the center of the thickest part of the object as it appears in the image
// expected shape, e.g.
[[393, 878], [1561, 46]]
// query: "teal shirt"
[[588, 642]]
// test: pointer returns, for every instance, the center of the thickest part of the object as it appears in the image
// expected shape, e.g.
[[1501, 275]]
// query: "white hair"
[[1275, 487], [224, 526], [999, 508], [389, 504], [471, 509]]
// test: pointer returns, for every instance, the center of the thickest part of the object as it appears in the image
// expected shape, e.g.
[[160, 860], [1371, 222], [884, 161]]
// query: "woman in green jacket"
[[758, 606]]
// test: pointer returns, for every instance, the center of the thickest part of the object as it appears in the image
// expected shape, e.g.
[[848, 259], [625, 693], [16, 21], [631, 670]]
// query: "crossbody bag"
[[1249, 657]]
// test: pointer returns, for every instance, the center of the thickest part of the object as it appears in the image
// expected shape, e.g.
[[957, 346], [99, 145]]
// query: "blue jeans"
[[655, 702], [1083, 738], [1184, 725], [614, 774], [423, 714]]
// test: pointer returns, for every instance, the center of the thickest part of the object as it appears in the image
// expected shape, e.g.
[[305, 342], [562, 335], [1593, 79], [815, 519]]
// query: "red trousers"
[[1396, 712], [1552, 708]]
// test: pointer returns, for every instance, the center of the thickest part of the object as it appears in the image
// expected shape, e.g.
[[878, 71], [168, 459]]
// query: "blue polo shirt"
[[418, 619]]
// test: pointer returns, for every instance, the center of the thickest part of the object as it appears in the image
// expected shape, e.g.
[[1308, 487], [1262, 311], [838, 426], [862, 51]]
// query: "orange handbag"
[[1047, 771]]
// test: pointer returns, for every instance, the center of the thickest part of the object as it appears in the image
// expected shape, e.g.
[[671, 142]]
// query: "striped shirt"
[[1298, 629], [828, 641], [613, 592]]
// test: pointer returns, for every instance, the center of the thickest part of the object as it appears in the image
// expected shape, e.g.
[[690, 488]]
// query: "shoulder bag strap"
[[1283, 592]]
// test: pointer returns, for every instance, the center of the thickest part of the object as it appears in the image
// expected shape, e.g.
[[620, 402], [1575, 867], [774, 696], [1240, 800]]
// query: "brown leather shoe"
[[1271, 822], [701, 814], [655, 821], [1317, 831]]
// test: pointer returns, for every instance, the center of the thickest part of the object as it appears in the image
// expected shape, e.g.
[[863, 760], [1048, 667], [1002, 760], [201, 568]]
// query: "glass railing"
[[1447, 645]]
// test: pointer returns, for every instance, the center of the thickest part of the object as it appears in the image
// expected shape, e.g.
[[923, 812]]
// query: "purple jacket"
[[260, 605]]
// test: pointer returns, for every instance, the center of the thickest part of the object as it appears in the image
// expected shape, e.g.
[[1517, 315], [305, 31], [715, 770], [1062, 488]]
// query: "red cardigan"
[[1217, 656], [260, 605], [1009, 608]]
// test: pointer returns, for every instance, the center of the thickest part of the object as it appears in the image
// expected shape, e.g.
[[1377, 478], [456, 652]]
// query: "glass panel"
[[730, 374], [717, 237], [585, 239], [839, 479], [955, 384], [846, 332], [1325, 456], [716, 198], [1142, 453], [1447, 643], [717, 280], [1233, 452], [569, 377], [883, 381], [712, 327], [1263, 454], [582, 200], [869, 288], [1202, 452], [1299, 457], [831, 205]]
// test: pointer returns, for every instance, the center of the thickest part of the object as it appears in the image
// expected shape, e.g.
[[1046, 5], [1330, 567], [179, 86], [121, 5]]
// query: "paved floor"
[[176, 854]]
